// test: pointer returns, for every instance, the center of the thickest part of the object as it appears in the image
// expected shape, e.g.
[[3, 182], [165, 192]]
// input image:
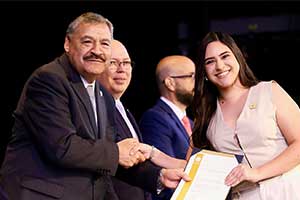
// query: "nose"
[[120, 67], [97, 48], [219, 64]]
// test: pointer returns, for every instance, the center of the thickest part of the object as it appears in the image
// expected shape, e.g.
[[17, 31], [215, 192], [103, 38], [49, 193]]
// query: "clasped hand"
[[132, 152], [129, 152]]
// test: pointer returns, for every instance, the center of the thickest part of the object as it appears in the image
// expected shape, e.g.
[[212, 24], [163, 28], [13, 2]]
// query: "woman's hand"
[[241, 173], [147, 150], [159, 158]]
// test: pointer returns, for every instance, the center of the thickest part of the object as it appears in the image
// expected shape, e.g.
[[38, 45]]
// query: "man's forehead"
[[101, 29]]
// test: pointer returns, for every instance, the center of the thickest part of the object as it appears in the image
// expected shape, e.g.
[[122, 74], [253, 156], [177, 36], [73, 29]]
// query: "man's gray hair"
[[89, 18]]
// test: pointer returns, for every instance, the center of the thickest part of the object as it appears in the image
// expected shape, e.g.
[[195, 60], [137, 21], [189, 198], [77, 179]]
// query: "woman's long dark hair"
[[205, 99]]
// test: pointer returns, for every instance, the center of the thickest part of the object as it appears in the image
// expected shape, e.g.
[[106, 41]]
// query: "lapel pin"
[[252, 106]]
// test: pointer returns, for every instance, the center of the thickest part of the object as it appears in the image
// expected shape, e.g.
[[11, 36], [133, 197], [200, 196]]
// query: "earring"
[[205, 78]]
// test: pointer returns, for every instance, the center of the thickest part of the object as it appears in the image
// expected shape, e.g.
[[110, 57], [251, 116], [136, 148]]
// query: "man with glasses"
[[63, 139], [162, 125], [116, 79]]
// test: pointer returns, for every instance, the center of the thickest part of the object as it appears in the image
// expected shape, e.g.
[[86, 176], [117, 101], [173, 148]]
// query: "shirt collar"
[[174, 108], [86, 84]]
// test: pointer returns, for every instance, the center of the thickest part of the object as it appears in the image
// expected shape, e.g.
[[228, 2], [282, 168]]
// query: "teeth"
[[221, 75]]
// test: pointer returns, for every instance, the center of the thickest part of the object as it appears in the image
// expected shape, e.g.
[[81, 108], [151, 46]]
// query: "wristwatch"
[[159, 186]]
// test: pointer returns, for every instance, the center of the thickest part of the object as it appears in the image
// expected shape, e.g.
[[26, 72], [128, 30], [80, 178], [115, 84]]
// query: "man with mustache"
[[163, 124], [63, 142]]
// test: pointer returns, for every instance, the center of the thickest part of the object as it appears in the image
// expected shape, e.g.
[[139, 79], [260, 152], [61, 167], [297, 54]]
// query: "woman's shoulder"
[[267, 86], [262, 85]]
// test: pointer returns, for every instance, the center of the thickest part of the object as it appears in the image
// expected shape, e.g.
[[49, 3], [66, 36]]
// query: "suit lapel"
[[82, 95], [124, 131], [106, 110], [173, 116], [85, 99], [134, 124], [101, 113]]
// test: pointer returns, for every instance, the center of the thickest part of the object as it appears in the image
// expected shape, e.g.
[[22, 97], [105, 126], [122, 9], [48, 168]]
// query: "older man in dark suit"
[[63, 142], [116, 78]]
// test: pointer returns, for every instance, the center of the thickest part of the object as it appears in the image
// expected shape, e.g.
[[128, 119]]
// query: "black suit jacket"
[[146, 170], [56, 151]]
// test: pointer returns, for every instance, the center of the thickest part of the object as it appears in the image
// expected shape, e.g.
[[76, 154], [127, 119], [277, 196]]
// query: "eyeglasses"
[[184, 76], [114, 64]]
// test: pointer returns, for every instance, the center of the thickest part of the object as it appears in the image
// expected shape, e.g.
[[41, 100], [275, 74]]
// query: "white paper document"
[[207, 170]]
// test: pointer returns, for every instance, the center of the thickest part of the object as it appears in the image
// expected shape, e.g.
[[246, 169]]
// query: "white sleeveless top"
[[261, 140]]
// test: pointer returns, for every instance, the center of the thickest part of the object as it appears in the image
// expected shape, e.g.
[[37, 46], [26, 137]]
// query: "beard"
[[184, 97]]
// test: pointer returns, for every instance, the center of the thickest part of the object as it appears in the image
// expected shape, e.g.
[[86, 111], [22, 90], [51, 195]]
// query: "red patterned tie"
[[187, 125]]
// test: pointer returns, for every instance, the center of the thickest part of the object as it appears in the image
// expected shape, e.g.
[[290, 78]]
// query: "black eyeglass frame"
[[184, 76]]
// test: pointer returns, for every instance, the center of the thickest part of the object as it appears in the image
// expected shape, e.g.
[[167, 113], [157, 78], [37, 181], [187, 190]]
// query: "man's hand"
[[170, 177], [129, 153]]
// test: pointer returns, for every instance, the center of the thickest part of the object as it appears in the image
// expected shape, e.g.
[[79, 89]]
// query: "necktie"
[[91, 93], [186, 123]]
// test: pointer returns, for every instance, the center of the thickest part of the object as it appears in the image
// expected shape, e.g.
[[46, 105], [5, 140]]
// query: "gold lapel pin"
[[252, 106]]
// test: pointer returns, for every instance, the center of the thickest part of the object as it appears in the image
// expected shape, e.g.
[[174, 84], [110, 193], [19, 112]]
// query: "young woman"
[[236, 113]]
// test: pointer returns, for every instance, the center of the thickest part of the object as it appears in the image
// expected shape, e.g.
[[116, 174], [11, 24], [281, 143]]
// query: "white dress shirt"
[[121, 109]]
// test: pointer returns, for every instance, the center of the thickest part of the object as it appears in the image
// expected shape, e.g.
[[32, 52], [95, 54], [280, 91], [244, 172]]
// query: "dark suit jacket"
[[123, 189], [56, 151], [161, 127]]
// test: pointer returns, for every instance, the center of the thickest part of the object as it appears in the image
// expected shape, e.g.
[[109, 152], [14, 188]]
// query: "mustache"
[[94, 56]]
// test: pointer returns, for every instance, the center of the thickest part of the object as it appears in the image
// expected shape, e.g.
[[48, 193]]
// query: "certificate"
[[207, 170]]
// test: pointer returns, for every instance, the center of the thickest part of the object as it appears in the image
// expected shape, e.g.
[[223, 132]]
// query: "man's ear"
[[169, 83], [67, 44]]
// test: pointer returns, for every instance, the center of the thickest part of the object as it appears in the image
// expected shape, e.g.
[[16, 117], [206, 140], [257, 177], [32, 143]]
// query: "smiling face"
[[116, 78], [89, 49], [221, 66]]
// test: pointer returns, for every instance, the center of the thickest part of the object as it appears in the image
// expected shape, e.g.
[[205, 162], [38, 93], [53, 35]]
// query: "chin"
[[226, 85], [118, 89], [96, 72]]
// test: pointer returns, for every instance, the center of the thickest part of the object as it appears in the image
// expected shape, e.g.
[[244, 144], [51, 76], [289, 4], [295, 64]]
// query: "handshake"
[[132, 152]]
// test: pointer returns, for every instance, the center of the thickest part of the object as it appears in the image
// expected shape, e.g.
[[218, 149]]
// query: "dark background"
[[32, 34]]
